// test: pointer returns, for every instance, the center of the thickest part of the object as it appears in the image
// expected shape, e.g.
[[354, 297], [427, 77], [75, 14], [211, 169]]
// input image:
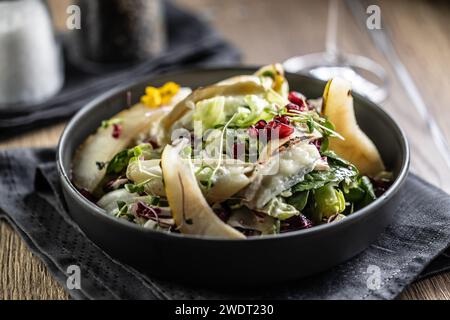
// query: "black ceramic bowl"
[[253, 261]]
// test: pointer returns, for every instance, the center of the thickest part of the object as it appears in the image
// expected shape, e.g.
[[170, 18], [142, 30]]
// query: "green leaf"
[[299, 200], [107, 123], [134, 154], [118, 163], [310, 124], [335, 159], [325, 144], [368, 188], [328, 201], [134, 188], [268, 73], [339, 171], [121, 160], [152, 200], [359, 193], [317, 179], [330, 126], [354, 193], [141, 151], [123, 209], [121, 204]]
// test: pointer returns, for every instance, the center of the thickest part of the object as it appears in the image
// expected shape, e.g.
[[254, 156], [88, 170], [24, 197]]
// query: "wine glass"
[[368, 78]]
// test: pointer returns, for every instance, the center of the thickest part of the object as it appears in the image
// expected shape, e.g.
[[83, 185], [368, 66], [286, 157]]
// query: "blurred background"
[[409, 52]]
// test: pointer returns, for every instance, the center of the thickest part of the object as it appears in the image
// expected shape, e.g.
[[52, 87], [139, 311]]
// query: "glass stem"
[[331, 47]]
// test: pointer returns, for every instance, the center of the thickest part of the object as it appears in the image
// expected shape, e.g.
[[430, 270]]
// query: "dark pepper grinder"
[[120, 31]]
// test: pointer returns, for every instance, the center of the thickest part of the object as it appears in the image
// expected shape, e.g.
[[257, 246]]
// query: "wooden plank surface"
[[268, 31]]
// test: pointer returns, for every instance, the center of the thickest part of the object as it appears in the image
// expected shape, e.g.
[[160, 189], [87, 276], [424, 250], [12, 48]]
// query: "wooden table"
[[268, 31]]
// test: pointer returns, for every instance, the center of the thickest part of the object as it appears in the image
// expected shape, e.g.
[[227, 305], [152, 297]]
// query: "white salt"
[[30, 59]]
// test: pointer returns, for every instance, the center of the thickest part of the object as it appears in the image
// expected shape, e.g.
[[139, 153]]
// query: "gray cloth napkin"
[[30, 199]]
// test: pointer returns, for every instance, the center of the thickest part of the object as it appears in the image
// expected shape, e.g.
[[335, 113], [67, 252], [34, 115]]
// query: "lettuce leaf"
[[279, 209], [329, 200], [255, 109], [210, 112]]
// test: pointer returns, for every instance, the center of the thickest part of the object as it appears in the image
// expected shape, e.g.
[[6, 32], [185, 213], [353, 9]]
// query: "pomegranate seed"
[[296, 98], [261, 124], [88, 195], [380, 186], [223, 214], [296, 223], [294, 107], [117, 130], [285, 130], [153, 144], [280, 123], [305, 222], [317, 143], [271, 125], [282, 119]]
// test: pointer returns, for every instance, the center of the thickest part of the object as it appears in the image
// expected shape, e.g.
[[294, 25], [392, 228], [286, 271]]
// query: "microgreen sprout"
[[219, 162]]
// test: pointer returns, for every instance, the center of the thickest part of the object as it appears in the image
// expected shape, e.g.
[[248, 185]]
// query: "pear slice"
[[191, 212], [357, 147], [237, 79], [101, 146]]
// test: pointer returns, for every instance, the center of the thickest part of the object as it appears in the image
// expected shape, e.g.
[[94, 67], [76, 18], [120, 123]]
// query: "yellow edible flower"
[[168, 91], [156, 97], [152, 98]]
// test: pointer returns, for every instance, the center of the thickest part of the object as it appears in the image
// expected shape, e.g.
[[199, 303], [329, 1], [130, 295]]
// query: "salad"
[[245, 157]]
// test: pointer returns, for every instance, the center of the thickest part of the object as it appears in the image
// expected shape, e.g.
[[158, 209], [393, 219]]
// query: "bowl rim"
[[94, 209]]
